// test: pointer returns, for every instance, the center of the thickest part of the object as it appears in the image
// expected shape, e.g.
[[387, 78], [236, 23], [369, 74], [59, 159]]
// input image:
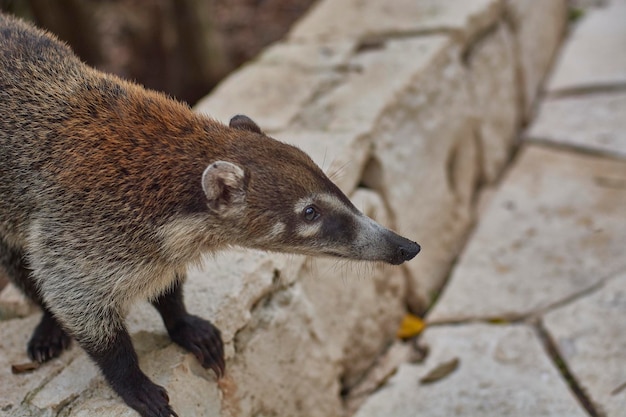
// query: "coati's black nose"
[[406, 251], [395, 248]]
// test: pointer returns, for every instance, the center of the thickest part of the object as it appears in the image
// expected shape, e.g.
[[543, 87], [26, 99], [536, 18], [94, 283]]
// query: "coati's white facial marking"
[[308, 230], [329, 200], [331, 204], [303, 203], [276, 231]]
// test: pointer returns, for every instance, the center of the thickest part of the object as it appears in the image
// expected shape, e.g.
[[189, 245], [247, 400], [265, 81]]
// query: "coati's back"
[[87, 142], [34, 96]]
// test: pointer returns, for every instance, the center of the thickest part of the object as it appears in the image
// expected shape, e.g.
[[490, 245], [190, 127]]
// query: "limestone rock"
[[502, 371], [77, 377], [310, 56], [554, 229], [385, 367], [372, 19], [425, 152], [13, 303], [590, 334], [283, 366], [591, 122], [593, 55], [496, 96], [538, 27], [16, 388], [271, 95]]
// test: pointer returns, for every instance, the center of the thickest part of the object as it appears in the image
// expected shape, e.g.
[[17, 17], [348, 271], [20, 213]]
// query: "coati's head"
[[284, 202]]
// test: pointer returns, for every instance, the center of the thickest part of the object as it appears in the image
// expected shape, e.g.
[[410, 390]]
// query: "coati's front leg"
[[193, 333], [118, 362]]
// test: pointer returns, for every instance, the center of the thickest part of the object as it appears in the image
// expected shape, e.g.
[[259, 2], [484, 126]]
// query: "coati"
[[109, 190]]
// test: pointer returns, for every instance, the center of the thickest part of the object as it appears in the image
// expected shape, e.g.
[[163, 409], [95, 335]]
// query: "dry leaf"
[[411, 326], [440, 371], [21, 368]]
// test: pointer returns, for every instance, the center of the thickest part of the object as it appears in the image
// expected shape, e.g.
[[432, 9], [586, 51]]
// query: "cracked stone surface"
[[271, 105], [590, 334], [492, 80], [555, 228], [358, 19], [536, 23], [593, 56], [593, 122], [502, 371]]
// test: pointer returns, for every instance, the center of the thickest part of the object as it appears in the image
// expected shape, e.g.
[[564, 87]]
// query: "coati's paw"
[[48, 341], [201, 338], [148, 399]]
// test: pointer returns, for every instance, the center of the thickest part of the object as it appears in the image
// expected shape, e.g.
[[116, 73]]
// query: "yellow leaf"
[[411, 326]]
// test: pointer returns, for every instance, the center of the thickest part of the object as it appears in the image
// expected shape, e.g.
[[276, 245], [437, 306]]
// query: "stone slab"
[[355, 103], [77, 377], [502, 371], [590, 334], [309, 56], [592, 122], [13, 303], [554, 229], [538, 27], [493, 83], [15, 389], [594, 54], [424, 150], [372, 19], [283, 365], [271, 95]]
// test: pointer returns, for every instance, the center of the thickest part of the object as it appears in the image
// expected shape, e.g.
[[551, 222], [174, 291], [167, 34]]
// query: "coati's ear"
[[244, 123], [223, 186]]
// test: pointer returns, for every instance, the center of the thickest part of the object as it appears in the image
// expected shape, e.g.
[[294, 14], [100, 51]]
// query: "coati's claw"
[[203, 339], [48, 341], [149, 399]]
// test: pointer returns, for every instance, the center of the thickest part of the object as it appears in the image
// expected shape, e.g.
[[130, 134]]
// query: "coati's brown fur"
[[109, 191]]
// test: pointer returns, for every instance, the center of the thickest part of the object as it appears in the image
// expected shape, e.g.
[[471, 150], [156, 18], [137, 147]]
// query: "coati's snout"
[[401, 249], [377, 243]]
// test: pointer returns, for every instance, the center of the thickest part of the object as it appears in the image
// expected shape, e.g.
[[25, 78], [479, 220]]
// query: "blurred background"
[[181, 47]]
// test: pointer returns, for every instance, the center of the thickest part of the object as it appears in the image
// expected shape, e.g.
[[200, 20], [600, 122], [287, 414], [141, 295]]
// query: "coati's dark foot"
[[193, 333], [201, 338], [48, 341], [147, 398]]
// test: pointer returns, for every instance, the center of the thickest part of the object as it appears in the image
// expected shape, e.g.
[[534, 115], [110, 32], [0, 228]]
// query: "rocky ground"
[[535, 309], [442, 119]]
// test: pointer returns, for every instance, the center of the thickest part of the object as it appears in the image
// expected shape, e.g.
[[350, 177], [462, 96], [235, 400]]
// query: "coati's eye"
[[310, 213]]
